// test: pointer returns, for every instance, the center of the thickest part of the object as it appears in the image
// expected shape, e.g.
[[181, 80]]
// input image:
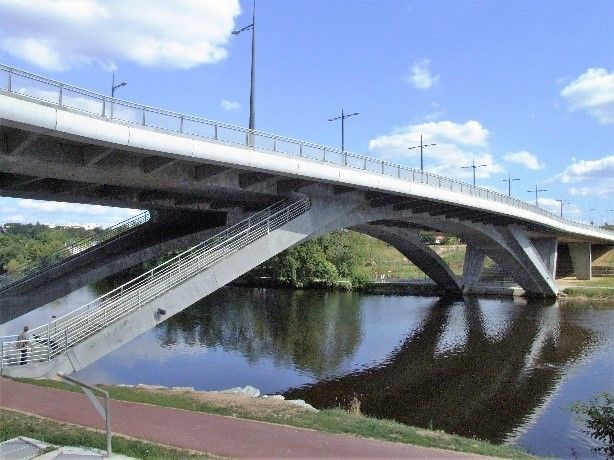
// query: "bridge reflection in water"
[[477, 368]]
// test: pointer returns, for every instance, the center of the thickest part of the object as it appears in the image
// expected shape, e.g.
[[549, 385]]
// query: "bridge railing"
[[52, 260], [71, 97], [62, 333]]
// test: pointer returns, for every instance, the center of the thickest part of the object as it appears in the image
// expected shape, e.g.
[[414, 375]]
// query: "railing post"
[[274, 144], [104, 107], [10, 81], [382, 167], [65, 340], [345, 159], [365, 164], [143, 117], [300, 150], [324, 156], [2, 358], [181, 124], [215, 132], [60, 97], [48, 344], [399, 171]]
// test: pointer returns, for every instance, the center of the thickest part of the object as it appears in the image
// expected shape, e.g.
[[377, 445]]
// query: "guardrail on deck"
[[71, 97]]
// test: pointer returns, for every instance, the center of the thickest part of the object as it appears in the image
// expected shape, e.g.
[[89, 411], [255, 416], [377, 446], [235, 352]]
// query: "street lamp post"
[[252, 89], [474, 167], [563, 202], [114, 86], [342, 118], [590, 212], [509, 181], [421, 155], [536, 192]]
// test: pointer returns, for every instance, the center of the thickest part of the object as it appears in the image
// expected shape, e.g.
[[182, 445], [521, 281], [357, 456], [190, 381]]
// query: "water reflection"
[[454, 376], [313, 332], [486, 368]]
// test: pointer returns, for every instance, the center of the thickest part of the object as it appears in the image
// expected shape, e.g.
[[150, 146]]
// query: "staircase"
[[115, 310], [74, 250]]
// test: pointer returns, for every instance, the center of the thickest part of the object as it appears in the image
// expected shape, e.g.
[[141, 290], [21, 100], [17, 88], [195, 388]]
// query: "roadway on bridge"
[[197, 431]]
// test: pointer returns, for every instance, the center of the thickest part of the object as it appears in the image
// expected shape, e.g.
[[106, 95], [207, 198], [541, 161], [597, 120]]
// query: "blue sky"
[[526, 87]]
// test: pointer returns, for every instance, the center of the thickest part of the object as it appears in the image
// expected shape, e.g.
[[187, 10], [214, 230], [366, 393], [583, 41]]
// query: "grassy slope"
[[332, 421]]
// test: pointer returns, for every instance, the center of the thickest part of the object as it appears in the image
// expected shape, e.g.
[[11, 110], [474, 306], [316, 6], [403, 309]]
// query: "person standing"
[[23, 343]]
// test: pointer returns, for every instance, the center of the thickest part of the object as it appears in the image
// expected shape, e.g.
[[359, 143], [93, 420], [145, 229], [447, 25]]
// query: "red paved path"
[[224, 436]]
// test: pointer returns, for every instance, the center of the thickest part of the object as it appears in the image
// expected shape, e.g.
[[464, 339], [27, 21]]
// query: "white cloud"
[[230, 105], [56, 206], [603, 191], [578, 171], [592, 177], [420, 76], [457, 146], [437, 114], [554, 206], [594, 92], [524, 158], [15, 219], [58, 35]]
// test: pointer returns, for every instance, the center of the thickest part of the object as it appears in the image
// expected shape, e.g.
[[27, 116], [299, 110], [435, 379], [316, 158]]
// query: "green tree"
[[598, 415]]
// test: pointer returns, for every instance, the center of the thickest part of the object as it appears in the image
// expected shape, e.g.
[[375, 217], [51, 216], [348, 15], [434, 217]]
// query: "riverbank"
[[600, 289], [278, 412]]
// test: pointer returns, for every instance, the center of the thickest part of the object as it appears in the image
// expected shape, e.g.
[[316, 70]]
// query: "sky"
[[523, 87]]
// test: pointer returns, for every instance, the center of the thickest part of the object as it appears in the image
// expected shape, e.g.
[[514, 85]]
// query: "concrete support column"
[[472, 267], [547, 248], [581, 260]]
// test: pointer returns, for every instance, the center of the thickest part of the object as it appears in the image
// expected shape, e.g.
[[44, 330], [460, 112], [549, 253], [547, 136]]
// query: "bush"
[[598, 416]]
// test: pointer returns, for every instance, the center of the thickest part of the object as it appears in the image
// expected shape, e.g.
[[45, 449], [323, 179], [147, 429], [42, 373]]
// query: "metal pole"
[[421, 155], [107, 405], [252, 92], [342, 131], [107, 415]]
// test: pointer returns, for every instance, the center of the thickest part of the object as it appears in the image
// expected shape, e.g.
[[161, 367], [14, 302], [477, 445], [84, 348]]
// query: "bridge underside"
[[530, 261], [202, 195]]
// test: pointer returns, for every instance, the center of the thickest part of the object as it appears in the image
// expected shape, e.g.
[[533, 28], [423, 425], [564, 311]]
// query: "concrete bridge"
[[199, 177]]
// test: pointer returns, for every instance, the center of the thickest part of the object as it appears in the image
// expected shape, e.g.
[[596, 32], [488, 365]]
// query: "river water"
[[500, 370]]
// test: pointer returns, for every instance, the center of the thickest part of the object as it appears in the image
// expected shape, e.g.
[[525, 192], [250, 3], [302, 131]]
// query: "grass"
[[601, 289], [331, 421], [14, 424]]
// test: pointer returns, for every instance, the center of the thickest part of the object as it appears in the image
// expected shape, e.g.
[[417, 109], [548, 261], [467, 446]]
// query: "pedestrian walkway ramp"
[[72, 342], [73, 251]]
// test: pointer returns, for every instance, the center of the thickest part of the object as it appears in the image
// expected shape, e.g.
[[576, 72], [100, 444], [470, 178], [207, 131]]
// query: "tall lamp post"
[[509, 181], [537, 190], [342, 118], [563, 202], [474, 167], [252, 89], [421, 155], [114, 86]]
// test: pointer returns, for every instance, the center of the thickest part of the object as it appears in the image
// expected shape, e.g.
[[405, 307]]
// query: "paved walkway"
[[223, 436]]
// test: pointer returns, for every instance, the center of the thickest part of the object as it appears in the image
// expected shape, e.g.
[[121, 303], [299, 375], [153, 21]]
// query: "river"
[[500, 370]]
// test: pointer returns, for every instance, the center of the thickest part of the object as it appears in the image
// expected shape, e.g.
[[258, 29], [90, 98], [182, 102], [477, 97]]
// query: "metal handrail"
[[56, 258], [176, 122], [56, 337]]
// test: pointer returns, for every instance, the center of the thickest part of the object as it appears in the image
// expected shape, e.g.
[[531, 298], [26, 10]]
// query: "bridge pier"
[[581, 259], [408, 243], [547, 248], [472, 267]]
